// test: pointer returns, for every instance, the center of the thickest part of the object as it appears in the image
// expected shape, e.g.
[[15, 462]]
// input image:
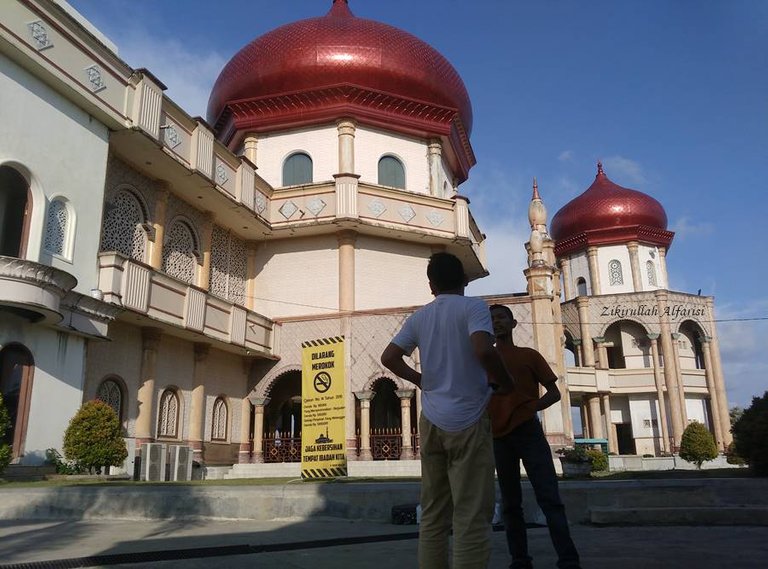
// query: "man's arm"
[[550, 397], [485, 352], [392, 359]]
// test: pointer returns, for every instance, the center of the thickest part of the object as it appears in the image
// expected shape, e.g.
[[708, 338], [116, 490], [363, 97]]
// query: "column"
[[158, 228], [434, 159], [679, 374], [588, 351], [586, 428], [594, 271], [405, 421], [659, 380], [244, 452], [150, 342], [670, 375], [613, 443], [259, 403], [595, 420], [713, 399], [634, 263], [717, 368], [365, 398], [206, 234], [664, 281], [565, 267], [250, 286], [346, 130], [347, 239], [602, 352], [250, 147], [197, 406]]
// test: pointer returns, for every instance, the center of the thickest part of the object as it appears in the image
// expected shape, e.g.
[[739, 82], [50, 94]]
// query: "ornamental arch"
[[628, 345]]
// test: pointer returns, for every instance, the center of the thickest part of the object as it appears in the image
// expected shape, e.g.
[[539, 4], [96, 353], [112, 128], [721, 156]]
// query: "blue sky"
[[671, 96]]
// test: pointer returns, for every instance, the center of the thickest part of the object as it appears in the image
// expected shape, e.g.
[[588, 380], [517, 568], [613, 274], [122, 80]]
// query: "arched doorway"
[[282, 420], [15, 210], [16, 373], [386, 421]]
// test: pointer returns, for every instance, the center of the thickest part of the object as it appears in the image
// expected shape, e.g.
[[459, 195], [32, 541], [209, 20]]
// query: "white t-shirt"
[[455, 390]]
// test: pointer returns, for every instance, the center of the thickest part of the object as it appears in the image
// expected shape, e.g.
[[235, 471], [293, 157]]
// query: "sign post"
[[323, 409]]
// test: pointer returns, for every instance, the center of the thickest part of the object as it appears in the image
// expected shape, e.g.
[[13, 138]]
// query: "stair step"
[[702, 515]]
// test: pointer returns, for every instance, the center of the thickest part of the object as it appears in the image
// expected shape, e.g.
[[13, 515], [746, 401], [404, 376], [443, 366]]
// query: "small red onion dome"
[[319, 69], [607, 213]]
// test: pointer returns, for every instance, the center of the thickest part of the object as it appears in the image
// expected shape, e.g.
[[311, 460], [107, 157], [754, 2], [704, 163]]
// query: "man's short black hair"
[[446, 272], [503, 307]]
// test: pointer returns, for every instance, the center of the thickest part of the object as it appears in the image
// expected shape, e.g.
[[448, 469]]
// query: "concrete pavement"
[[330, 544]]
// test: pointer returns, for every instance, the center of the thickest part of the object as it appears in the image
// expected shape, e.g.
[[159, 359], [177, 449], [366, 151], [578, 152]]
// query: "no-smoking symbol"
[[322, 382]]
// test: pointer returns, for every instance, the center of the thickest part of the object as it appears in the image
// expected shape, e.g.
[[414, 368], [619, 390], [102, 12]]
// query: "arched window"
[[297, 169], [391, 172], [581, 286], [57, 228], [180, 252], [110, 393], [15, 211], [123, 230], [615, 274], [651, 269], [168, 419], [16, 374], [220, 420]]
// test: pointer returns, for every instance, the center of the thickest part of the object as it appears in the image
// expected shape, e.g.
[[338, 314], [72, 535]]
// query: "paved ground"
[[329, 544]]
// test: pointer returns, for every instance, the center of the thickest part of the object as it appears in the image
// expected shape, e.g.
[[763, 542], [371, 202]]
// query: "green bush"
[[698, 444], [5, 449], [750, 434], [94, 440], [599, 460], [731, 456]]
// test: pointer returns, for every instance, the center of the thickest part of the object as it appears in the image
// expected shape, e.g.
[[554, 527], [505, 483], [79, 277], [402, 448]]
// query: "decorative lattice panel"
[[219, 261], [123, 231], [169, 414], [219, 423], [56, 227], [651, 269], [615, 274], [238, 270], [178, 257], [229, 262], [109, 392]]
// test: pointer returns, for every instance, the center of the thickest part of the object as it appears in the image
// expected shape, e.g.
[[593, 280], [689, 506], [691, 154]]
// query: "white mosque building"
[[173, 266]]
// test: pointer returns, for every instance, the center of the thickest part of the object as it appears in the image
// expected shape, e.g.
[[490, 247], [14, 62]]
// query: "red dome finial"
[[340, 8], [600, 168], [535, 190]]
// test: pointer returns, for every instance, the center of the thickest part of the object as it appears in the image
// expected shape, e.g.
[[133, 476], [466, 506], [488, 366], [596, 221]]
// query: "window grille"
[[179, 252], [229, 262], [219, 424], [123, 231], [109, 392], [615, 274], [651, 269], [391, 172], [297, 169], [56, 227], [169, 414]]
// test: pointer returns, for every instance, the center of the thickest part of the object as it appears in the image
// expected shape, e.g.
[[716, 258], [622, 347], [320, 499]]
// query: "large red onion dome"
[[320, 69], [607, 213]]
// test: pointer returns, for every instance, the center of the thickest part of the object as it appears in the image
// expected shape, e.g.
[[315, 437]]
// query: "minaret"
[[543, 288]]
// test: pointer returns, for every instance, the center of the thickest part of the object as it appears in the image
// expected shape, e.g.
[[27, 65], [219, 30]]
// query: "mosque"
[[173, 266]]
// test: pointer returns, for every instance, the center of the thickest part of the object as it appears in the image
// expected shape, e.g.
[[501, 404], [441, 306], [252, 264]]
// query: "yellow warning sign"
[[323, 409]]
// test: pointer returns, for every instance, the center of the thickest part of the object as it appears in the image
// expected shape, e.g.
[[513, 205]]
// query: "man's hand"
[[392, 359], [485, 352]]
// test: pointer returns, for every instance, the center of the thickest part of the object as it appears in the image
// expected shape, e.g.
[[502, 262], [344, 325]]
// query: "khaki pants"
[[457, 489]]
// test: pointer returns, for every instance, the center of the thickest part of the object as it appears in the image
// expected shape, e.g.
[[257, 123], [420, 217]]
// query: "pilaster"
[[713, 399], [347, 240], [588, 351], [659, 381], [365, 398], [634, 263], [670, 373], [434, 158], [158, 229], [594, 271], [405, 396], [197, 406], [150, 342], [679, 373], [346, 133], [719, 380], [259, 403], [565, 268]]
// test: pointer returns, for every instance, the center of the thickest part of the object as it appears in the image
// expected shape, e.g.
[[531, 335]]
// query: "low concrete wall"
[[348, 500], [631, 462]]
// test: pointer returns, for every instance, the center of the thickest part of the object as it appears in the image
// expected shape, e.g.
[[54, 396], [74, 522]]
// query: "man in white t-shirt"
[[459, 370]]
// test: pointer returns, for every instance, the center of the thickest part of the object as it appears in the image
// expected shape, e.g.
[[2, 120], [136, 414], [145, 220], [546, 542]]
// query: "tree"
[[735, 414], [94, 439], [750, 435], [698, 444], [5, 448]]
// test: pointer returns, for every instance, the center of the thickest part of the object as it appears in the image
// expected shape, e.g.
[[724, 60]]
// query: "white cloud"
[[744, 350], [624, 171], [507, 258], [566, 156], [683, 228], [188, 74]]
